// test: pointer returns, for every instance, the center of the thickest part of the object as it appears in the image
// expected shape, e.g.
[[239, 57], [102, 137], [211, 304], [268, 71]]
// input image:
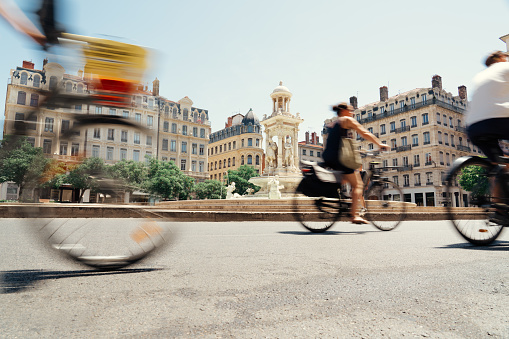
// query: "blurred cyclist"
[[487, 119]]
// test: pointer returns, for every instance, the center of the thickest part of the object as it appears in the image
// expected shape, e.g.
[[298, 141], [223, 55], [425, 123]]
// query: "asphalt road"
[[265, 280]]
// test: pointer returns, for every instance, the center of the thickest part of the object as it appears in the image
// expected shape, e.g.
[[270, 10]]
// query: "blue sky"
[[228, 55]]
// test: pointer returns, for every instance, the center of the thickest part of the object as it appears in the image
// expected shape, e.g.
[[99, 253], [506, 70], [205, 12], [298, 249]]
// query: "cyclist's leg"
[[357, 187]]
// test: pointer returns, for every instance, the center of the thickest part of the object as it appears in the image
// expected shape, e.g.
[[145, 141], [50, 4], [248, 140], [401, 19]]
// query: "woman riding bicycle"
[[336, 131]]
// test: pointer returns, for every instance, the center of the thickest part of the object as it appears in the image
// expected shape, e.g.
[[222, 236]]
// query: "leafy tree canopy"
[[166, 180], [241, 178], [210, 189], [474, 180]]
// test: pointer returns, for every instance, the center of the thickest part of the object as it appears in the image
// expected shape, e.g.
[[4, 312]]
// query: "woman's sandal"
[[359, 221]]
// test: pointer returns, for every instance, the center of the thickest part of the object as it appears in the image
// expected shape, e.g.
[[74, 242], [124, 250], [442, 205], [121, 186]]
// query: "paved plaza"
[[265, 280]]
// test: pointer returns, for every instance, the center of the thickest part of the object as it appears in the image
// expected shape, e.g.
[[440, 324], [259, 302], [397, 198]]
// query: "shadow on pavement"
[[20, 280], [326, 232], [497, 245]]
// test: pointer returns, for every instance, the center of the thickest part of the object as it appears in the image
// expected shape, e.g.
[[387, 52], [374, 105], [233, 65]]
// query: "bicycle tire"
[[476, 224], [111, 235], [381, 212], [316, 214]]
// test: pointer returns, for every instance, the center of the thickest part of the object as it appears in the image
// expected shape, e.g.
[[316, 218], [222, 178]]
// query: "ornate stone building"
[[238, 143], [175, 131], [426, 131]]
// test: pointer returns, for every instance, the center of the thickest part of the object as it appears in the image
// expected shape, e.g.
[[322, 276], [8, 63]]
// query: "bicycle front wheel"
[[385, 208], [471, 206]]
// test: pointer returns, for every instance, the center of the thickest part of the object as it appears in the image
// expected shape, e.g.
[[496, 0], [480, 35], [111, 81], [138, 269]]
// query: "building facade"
[[239, 143], [425, 129], [173, 131], [311, 149]]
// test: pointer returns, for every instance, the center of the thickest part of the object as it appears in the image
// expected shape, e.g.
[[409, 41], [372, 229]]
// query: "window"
[[382, 110], [234, 144], [165, 145], [441, 158], [220, 148], [150, 103], [77, 108], [405, 161], [109, 153], [63, 148], [22, 98], [249, 159], [184, 130], [417, 179], [424, 98], [395, 180], [393, 144], [412, 102], [395, 162], [446, 139], [97, 133], [65, 126], [385, 163], [75, 148], [184, 147], [439, 137], [53, 82], [166, 126], [452, 140], [370, 146], [185, 116], [427, 157], [173, 146], [233, 161], [425, 119], [450, 122], [417, 161], [413, 121], [202, 150], [391, 108], [382, 129], [242, 160], [426, 138], [112, 111], [195, 132], [166, 111], [98, 110], [125, 114], [150, 121], [173, 128], [404, 141], [303, 152], [393, 126], [370, 130], [34, 100], [242, 143], [80, 88], [401, 104], [123, 154], [194, 148], [137, 117], [46, 146], [445, 120], [193, 166], [447, 159], [174, 113], [123, 136], [183, 165], [136, 155], [250, 142], [429, 178], [201, 165], [318, 154], [310, 153], [111, 134], [403, 124], [257, 160], [406, 180], [37, 80], [48, 124], [202, 132], [149, 140], [438, 119], [415, 140], [137, 138], [95, 151]]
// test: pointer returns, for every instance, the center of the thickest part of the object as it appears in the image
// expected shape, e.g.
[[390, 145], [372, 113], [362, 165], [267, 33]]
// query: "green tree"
[[241, 178], [210, 189], [21, 163], [133, 173], [90, 174], [475, 180], [166, 180]]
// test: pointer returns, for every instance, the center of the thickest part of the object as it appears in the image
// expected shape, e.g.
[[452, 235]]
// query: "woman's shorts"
[[485, 134]]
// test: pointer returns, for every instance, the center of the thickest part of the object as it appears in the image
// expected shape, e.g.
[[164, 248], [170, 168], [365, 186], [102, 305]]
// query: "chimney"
[[436, 81], [155, 87], [313, 138], [353, 102], [28, 64], [462, 92], [307, 138], [384, 93], [44, 62]]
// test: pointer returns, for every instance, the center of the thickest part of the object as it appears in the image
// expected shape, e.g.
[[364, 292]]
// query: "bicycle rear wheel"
[[475, 220], [385, 208], [316, 214]]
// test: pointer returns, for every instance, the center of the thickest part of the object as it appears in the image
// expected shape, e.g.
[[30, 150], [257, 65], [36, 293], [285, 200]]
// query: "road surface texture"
[[265, 280]]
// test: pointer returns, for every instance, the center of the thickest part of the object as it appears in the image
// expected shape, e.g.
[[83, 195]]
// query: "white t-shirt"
[[491, 96]]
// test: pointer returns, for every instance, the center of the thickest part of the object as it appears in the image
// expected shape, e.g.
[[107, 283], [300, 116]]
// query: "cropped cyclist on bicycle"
[[488, 115]]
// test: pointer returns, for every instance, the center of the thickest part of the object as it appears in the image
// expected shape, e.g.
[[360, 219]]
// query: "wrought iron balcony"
[[403, 148]]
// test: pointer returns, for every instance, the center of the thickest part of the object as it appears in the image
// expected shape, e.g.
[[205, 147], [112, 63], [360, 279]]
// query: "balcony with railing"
[[463, 148], [405, 168], [403, 148], [402, 129]]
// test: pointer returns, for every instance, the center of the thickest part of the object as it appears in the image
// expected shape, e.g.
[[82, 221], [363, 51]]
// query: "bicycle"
[[485, 207], [104, 243], [320, 200]]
